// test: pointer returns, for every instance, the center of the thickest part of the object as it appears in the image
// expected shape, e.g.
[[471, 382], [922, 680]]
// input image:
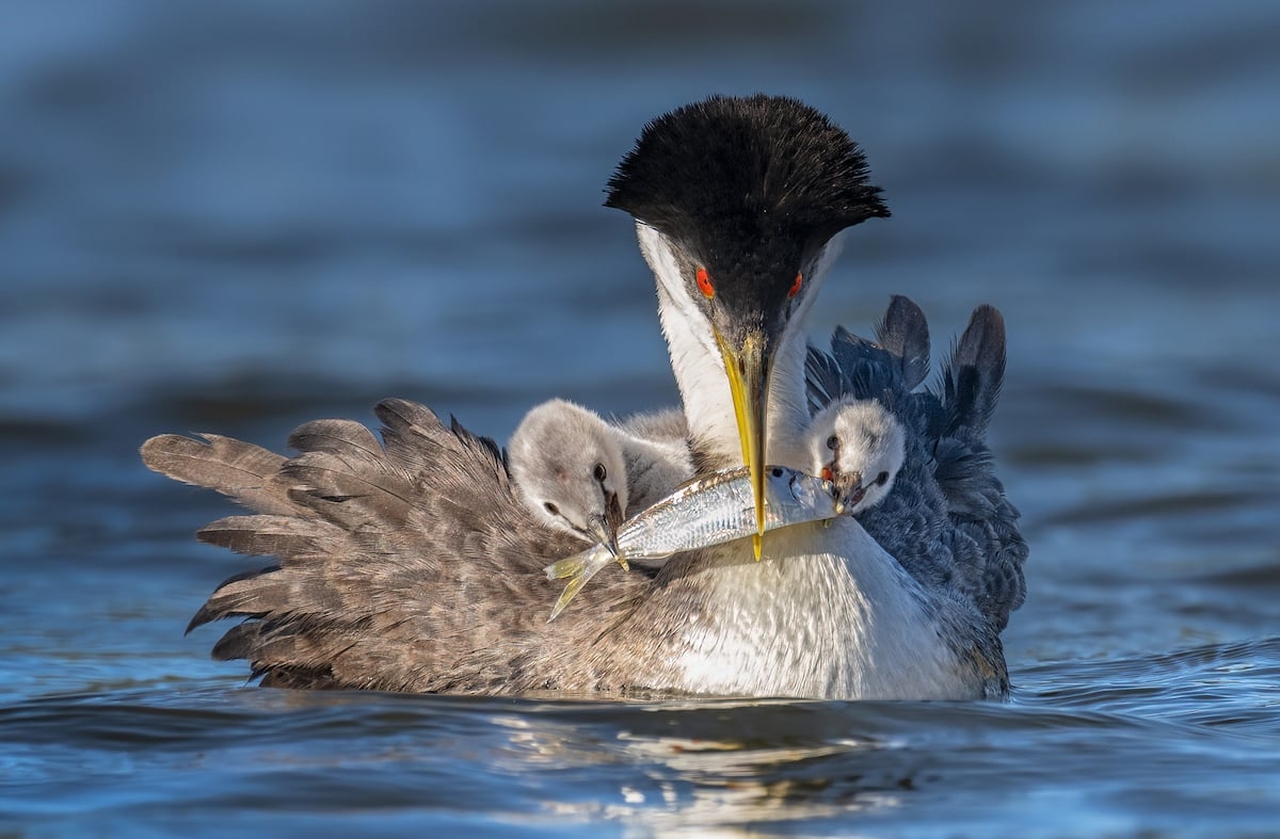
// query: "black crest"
[[726, 171]]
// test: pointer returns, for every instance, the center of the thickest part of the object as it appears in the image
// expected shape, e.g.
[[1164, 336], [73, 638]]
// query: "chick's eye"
[[601, 473], [704, 283], [882, 479], [551, 508], [832, 442]]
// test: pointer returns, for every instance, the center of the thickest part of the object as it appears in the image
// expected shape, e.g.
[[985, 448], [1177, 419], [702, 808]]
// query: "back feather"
[[973, 377], [903, 332]]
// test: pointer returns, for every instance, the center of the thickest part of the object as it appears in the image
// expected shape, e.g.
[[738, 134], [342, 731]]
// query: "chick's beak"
[[849, 489], [598, 527], [748, 365], [613, 521], [605, 529]]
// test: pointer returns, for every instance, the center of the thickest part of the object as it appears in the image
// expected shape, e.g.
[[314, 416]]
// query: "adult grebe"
[[411, 565]]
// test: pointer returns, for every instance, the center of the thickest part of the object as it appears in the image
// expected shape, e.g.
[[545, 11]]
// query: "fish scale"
[[703, 512]]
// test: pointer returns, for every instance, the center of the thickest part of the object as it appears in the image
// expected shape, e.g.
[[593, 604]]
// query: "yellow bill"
[[748, 374]]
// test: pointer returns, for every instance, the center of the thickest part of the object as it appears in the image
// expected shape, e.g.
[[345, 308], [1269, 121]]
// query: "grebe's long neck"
[[699, 367]]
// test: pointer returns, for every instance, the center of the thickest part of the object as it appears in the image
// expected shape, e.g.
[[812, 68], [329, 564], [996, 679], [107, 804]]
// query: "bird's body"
[[829, 615], [413, 565]]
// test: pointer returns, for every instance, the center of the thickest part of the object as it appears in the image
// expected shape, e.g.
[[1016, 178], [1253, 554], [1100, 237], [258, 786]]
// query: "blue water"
[[235, 217]]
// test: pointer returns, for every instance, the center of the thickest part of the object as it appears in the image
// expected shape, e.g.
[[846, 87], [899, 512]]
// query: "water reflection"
[[722, 767]]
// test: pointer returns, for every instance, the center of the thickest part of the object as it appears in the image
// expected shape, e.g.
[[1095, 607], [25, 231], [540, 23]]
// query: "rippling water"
[[237, 217]]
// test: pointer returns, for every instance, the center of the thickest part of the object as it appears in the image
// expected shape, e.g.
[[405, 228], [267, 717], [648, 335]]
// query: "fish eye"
[[601, 473], [776, 472], [832, 442], [882, 479], [551, 508]]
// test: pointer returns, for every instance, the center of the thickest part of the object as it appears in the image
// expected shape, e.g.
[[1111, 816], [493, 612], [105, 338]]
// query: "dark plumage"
[[947, 518]]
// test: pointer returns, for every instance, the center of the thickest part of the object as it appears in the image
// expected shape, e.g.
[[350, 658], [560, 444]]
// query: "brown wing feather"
[[242, 471], [405, 565]]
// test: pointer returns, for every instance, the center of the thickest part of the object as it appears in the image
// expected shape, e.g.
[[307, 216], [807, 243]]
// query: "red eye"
[[795, 287], [704, 283]]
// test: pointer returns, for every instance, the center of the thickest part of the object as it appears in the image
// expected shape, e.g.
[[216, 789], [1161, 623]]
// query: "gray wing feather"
[[343, 438], [968, 392], [903, 333], [824, 379], [973, 377], [887, 369]]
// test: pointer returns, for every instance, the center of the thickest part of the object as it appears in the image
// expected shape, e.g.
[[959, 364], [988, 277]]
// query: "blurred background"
[[233, 217]]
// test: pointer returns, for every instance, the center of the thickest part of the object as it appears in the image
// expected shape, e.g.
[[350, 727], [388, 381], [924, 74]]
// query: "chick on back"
[[569, 470], [858, 445], [948, 522]]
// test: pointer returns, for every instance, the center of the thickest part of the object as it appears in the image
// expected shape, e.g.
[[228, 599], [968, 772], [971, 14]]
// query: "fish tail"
[[578, 569], [570, 591], [570, 566]]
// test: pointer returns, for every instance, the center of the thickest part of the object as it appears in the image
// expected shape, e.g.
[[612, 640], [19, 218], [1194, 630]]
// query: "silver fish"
[[706, 511]]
